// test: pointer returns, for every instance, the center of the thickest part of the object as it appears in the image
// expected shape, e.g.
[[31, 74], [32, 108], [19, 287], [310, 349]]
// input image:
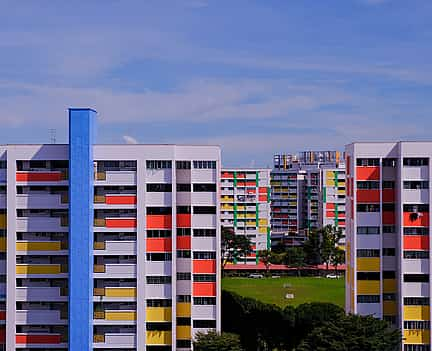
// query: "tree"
[[233, 246], [337, 258], [265, 257], [330, 237], [295, 257], [213, 341], [354, 333], [312, 248]]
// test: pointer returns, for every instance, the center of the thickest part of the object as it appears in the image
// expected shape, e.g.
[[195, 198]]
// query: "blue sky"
[[256, 77]]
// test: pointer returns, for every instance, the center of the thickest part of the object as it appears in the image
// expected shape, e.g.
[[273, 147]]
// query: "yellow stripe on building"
[[158, 314], [158, 338], [368, 264]]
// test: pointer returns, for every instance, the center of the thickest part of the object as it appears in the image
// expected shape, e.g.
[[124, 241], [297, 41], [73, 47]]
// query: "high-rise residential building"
[[388, 236], [108, 247], [245, 206], [298, 189]]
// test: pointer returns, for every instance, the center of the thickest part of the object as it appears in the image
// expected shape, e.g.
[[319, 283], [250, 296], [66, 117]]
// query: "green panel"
[[336, 178], [256, 214], [268, 193], [235, 179], [268, 238], [336, 215], [257, 178], [324, 194], [256, 256], [235, 215]]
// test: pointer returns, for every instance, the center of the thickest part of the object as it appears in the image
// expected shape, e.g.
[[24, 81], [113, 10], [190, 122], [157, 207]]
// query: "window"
[[158, 326], [368, 253], [163, 279], [204, 300], [204, 255], [368, 275], [389, 251], [416, 254], [368, 162], [199, 323], [368, 298], [416, 347], [407, 161], [390, 319], [416, 208], [389, 275], [183, 231], [159, 188], [159, 303], [388, 207], [415, 184], [158, 233], [183, 209], [183, 276], [204, 188], [416, 324], [367, 185], [368, 230], [389, 297], [416, 301], [204, 277], [182, 344], [416, 231], [204, 164], [204, 209], [388, 184], [183, 164], [159, 210], [183, 298], [183, 254], [389, 162], [389, 229], [368, 207], [416, 278], [159, 256], [158, 164], [183, 188], [204, 232], [184, 321]]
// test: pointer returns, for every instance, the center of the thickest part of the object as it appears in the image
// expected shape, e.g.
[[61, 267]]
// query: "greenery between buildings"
[[213, 341]]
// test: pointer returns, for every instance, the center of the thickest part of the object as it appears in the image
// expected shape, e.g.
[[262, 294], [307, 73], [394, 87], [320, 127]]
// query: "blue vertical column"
[[81, 139]]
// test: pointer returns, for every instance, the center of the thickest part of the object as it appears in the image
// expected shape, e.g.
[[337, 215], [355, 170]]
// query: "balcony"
[[29, 339], [115, 178], [41, 294], [114, 340], [116, 222], [158, 337], [38, 246], [42, 201], [41, 224], [113, 317], [42, 270], [115, 247], [158, 314], [115, 294], [40, 317], [115, 271], [42, 177]]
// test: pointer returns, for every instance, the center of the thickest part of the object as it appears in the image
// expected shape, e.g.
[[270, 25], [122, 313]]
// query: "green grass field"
[[273, 290]]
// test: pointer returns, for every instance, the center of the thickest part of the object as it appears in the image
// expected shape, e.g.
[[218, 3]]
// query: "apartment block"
[[245, 206], [108, 247], [388, 236]]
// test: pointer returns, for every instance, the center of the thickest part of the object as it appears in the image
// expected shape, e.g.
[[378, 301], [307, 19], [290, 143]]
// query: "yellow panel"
[[120, 292], [416, 313], [120, 316], [240, 208], [184, 332], [389, 308], [38, 246], [389, 285], [3, 221], [341, 192], [158, 338], [368, 287], [183, 309], [158, 314], [263, 221], [330, 182], [368, 264], [263, 230], [38, 269], [251, 224], [2, 244], [416, 336]]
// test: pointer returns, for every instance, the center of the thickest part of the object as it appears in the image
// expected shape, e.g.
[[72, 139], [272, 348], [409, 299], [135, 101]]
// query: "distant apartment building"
[[245, 206], [388, 236], [108, 247], [300, 193]]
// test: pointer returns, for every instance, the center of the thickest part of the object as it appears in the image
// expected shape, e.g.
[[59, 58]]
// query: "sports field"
[[275, 290]]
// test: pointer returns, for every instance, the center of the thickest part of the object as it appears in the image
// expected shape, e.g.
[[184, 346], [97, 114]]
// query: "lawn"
[[273, 290]]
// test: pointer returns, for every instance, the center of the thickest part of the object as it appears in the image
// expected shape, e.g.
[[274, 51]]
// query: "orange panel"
[[159, 244], [38, 176], [262, 190], [184, 220], [227, 175], [341, 215], [204, 266], [120, 222], [330, 214], [241, 176], [251, 191], [204, 289], [120, 200], [159, 221], [262, 197], [241, 183], [422, 219], [388, 217], [330, 206], [250, 183], [368, 195], [341, 223], [183, 243], [38, 339], [388, 195], [368, 173], [416, 242]]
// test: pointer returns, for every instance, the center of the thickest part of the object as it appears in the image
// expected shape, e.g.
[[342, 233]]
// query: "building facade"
[[110, 247], [245, 206], [388, 236]]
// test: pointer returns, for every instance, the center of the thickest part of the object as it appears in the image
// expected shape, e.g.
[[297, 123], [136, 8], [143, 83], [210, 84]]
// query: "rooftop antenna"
[[53, 136]]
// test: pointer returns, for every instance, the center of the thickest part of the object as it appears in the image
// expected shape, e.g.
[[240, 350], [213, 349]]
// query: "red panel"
[[120, 222], [352, 209], [241, 183], [416, 242], [388, 195], [184, 220], [368, 173], [38, 176], [2, 335], [159, 221], [348, 188], [348, 162], [204, 289], [241, 176], [159, 244], [120, 200], [341, 215], [341, 224], [422, 219], [183, 243], [251, 191], [330, 214], [227, 175], [2, 315], [330, 206], [368, 196], [262, 190], [250, 183], [388, 218], [262, 198], [38, 339], [204, 266]]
